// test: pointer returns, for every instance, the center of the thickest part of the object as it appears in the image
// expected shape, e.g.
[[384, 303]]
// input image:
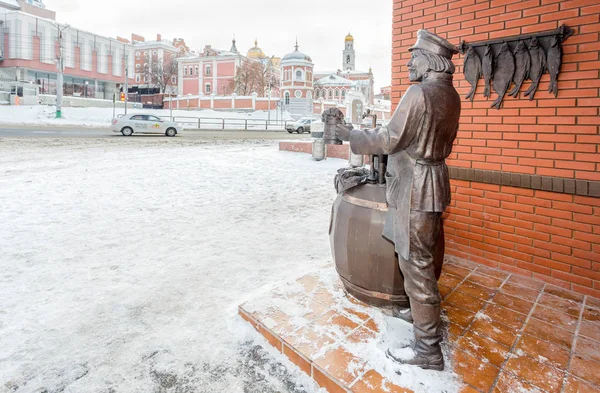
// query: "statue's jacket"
[[418, 139]]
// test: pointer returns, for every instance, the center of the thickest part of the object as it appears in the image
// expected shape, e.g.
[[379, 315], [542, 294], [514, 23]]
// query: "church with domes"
[[333, 86]]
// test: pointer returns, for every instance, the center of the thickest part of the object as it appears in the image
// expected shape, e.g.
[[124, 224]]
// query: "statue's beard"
[[416, 76], [419, 73]]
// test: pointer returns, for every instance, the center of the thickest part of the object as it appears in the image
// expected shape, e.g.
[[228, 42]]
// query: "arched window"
[[287, 98], [343, 93], [330, 94], [309, 95], [337, 93], [348, 59]]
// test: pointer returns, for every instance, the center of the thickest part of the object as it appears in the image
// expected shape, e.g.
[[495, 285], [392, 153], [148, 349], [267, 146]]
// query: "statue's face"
[[417, 66]]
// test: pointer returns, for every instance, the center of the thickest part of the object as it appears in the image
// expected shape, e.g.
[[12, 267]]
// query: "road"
[[76, 132]]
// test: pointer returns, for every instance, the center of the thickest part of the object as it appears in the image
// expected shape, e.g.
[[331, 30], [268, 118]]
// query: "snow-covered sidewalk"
[[101, 117], [122, 263]]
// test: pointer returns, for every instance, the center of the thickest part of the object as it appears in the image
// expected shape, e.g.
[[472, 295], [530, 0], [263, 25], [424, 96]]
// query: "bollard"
[[318, 149], [318, 144]]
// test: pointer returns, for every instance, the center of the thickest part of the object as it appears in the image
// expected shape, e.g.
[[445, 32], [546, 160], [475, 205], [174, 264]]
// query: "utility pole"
[[126, 89], [61, 73], [269, 110]]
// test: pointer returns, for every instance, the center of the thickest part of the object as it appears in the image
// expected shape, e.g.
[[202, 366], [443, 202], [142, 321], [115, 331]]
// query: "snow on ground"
[[102, 117], [123, 262]]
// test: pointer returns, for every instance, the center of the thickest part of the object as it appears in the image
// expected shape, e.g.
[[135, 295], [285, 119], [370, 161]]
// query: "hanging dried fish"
[[486, 66], [472, 70], [554, 63], [538, 66], [523, 65], [503, 73]]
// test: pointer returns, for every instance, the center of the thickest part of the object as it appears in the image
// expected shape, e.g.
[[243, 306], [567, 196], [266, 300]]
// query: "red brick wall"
[[333, 151], [552, 236]]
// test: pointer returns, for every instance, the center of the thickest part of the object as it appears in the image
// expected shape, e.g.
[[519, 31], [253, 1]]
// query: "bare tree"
[[254, 77], [161, 73]]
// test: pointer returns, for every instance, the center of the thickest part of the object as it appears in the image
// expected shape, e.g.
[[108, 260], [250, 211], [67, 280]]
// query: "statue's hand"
[[342, 131]]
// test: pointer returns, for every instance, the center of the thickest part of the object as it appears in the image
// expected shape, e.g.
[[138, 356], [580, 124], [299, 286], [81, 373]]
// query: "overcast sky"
[[320, 25]]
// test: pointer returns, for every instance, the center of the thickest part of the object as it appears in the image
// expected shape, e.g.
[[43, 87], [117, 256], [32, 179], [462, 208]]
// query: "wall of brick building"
[[554, 236]]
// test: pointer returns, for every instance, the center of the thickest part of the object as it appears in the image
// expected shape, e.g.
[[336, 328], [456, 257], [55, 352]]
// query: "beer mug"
[[331, 118]]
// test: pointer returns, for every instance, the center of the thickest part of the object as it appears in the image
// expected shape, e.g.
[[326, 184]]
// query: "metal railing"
[[215, 123]]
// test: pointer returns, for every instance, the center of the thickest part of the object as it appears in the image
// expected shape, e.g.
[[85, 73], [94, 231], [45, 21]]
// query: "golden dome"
[[349, 37], [256, 52]]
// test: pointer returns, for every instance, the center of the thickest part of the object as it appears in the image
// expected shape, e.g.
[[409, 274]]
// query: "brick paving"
[[504, 333]]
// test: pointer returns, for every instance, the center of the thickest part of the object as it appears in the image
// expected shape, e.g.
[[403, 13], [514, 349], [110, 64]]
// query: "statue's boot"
[[404, 314], [426, 352]]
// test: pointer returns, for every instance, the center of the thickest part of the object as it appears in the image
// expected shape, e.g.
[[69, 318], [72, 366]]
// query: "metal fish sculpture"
[[472, 70], [554, 63], [523, 65], [538, 66], [503, 73], [486, 66]]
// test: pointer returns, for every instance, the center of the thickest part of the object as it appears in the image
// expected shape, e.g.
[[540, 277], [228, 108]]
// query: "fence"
[[214, 123]]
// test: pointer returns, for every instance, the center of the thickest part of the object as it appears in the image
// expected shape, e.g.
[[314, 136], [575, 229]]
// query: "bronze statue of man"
[[418, 139]]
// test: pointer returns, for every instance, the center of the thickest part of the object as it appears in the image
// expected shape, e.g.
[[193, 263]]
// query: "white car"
[[144, 124], [301, 126]]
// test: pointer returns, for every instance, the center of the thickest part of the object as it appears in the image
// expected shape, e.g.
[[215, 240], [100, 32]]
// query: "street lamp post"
[[126, 90], [61, 72], [85, 89]]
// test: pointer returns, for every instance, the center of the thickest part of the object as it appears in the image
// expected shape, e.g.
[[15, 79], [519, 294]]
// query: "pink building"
[[211, 72], [159, 54], [333, 88], [29, 48]]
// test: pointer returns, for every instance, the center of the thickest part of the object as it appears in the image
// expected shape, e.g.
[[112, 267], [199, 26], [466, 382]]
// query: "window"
[[185, 70], [137, 55], [138, 67], [155, 53], [207, 88], [208, 70], [173, 79], [348, 59], [137, 78], [136, 117], [298, 94], [153, 118], [299, 75], [330, 94], [343, 93], [287, 98], [337, 93], [309, 95], [196, 69]]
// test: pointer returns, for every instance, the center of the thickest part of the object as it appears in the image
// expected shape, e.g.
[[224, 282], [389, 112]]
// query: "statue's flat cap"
[[435, 44]]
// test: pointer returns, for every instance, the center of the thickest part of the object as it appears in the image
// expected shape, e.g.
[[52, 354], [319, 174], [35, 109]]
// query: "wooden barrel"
[[366, 261]]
